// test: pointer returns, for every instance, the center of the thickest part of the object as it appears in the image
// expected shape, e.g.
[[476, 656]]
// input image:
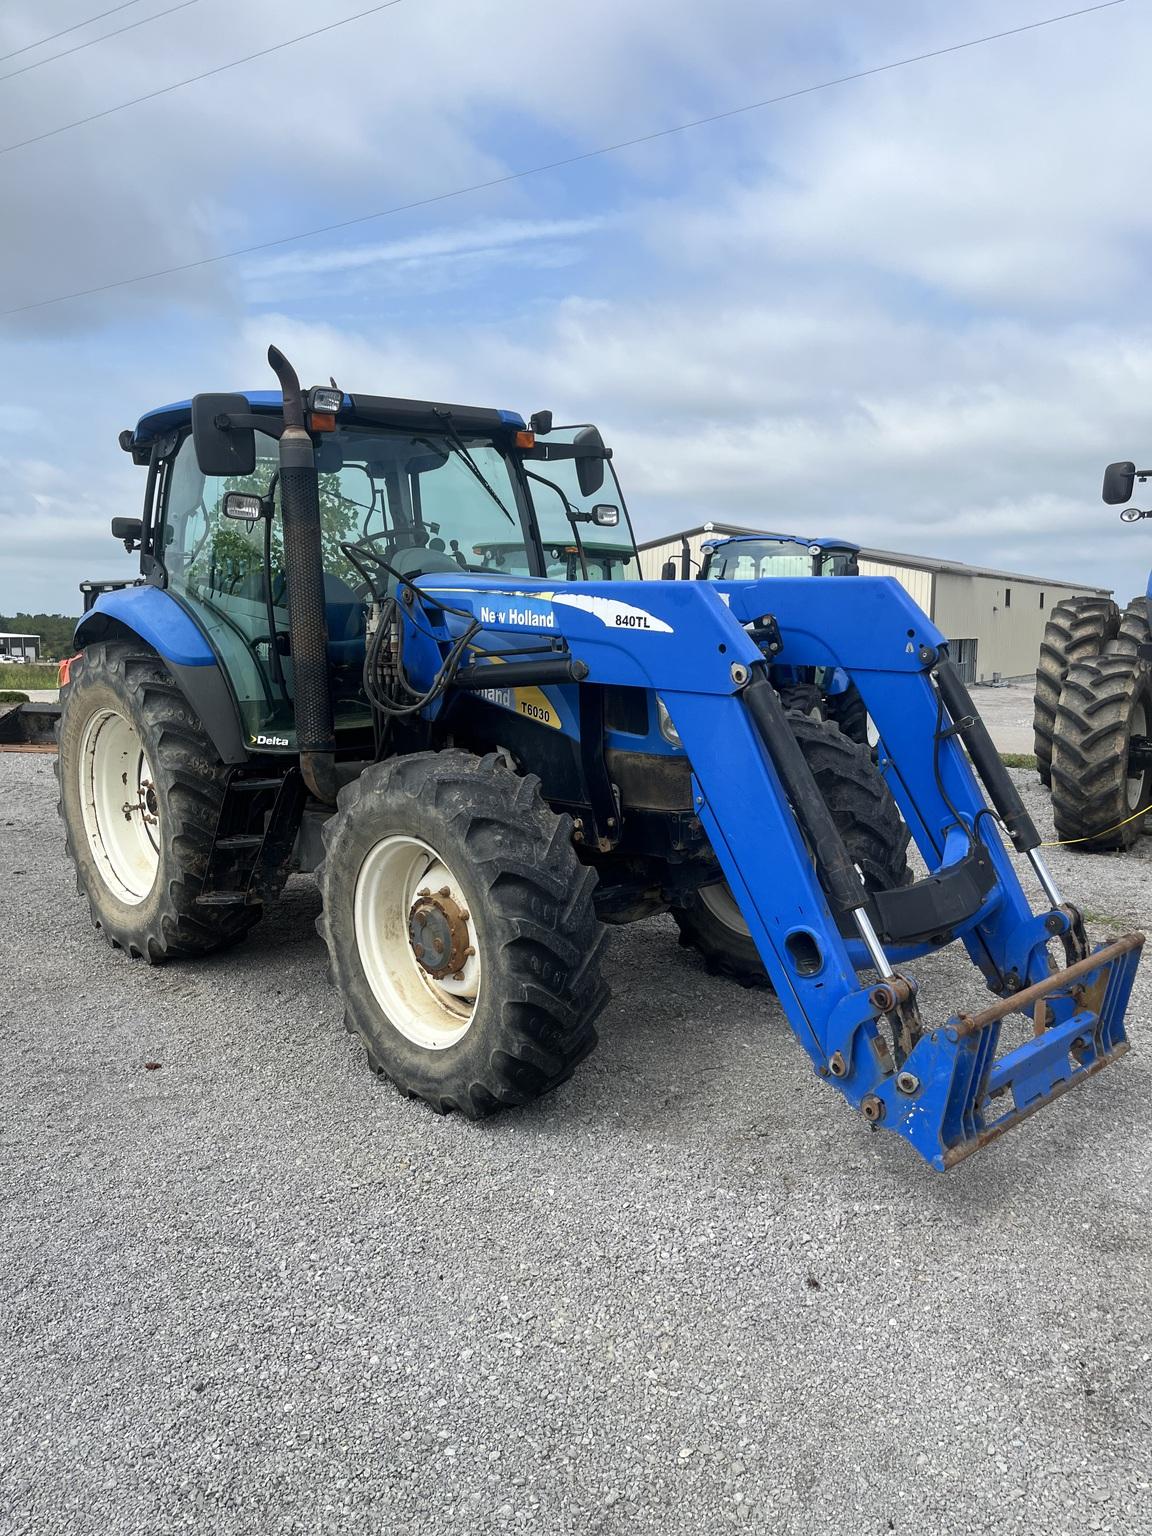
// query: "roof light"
[[525, 439], [325, 402]]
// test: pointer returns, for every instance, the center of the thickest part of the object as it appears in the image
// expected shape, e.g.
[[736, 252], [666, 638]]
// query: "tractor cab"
[[407, 488], [751, 557]]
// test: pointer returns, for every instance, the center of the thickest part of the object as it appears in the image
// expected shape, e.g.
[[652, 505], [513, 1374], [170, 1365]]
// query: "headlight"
[[667, 729]]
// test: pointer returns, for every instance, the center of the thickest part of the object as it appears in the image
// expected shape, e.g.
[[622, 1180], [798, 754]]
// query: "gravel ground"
[[256, 1291], [1007, 712]]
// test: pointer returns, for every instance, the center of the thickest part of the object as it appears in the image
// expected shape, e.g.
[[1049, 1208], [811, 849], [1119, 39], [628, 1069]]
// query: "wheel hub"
[[438, 933]]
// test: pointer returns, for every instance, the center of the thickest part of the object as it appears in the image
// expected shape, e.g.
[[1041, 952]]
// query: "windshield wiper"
[[460, 448]]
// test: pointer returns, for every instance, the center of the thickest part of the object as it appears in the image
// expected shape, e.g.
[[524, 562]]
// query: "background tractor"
[[1093, 707], [399, 644]]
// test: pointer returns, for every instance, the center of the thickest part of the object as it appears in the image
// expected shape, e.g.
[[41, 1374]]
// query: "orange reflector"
[[322, 423], [525, 439]]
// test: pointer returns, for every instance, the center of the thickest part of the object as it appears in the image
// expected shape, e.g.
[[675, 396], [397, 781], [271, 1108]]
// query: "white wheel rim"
[[400, 878], [120, 807], [1137, 727], [721, 903]]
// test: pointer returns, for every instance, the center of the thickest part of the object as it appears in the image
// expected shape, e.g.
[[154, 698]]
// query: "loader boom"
[[940, 1083]]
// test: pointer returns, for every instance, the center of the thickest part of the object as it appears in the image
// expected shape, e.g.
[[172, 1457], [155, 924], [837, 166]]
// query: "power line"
[[64, 33], [555, 165], [91, 43], [219, 70]]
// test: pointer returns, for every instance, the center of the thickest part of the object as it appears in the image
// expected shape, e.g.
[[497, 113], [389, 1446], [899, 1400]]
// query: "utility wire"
[[91, 43], [555, 165], [27, 48], [219, 70]]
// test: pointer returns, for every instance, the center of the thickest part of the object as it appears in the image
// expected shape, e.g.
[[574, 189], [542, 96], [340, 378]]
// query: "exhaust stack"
[[304, 569]]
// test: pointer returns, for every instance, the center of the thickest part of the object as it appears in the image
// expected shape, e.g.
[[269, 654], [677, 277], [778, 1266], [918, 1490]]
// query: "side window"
[[208, 555]]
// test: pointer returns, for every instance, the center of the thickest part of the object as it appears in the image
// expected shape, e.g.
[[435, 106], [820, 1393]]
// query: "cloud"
[[908, 310]]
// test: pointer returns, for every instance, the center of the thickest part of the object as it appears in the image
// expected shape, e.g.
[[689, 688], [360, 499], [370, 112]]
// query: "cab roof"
[[783, 538], [357, 410]]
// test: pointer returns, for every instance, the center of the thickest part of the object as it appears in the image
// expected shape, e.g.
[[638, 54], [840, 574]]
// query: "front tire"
[[870, 824], [141, 788], [460, 931]]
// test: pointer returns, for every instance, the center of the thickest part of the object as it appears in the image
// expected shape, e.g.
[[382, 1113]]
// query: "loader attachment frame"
[[937, 1081]]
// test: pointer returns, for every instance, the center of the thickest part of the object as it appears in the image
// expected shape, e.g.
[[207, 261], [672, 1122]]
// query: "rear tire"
[[460, 931], [1104, 703], [870, 824], [141, 788], [1079, 629]]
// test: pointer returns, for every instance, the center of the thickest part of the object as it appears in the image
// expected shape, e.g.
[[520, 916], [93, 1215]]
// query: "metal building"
[[20, 647], [994, 620]]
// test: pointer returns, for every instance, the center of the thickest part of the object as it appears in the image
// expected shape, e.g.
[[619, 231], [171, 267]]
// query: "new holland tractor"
[[398, 644], [1092, 717]]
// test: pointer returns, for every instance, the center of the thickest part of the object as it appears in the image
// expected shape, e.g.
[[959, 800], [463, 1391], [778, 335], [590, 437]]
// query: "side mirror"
[[222, 449], [668, 571], [605, 515], [130, 529], [1118, 482], [590, 460], [244, 507]]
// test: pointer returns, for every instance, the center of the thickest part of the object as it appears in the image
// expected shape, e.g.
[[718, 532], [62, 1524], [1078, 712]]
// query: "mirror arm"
[[244, 421]]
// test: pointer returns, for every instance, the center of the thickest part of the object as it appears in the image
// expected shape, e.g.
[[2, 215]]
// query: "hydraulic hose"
[[304, 572]]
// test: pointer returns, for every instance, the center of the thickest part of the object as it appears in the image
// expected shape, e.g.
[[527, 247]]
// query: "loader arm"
[[939, 1082]]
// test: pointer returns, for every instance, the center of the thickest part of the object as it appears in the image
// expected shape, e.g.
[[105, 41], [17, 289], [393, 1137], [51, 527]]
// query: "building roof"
[[13, 635], [886, 557]]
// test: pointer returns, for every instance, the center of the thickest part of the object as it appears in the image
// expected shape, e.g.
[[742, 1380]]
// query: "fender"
[[159, 620]]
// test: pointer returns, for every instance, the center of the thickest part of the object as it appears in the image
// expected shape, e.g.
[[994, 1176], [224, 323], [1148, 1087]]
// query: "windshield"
[[752, 559]]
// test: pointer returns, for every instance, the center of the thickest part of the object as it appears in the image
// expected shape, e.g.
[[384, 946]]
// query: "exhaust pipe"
[[304, 570]]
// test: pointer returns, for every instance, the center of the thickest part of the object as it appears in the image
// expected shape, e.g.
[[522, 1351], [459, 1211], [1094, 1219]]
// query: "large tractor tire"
[[1079, 629], [869, 822], [460, 931], [1101, 778], [141, 788]]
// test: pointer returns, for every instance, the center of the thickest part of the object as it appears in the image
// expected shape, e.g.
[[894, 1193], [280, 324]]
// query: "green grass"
[[10, 696], [1018, 759], [37, 675]]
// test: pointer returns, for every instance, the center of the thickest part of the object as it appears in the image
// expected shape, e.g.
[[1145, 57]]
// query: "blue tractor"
[[401, 644]]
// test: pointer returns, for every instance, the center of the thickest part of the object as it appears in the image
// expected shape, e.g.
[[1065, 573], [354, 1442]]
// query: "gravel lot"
[[257, 1291]]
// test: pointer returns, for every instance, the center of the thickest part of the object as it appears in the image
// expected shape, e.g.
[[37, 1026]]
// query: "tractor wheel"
[[1101, 770], [848, 711], [460, 931], [869, 822], [1078, 630], [140, 793]]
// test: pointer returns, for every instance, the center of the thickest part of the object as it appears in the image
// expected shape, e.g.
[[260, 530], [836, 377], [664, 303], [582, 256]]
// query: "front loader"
[[358, 649]]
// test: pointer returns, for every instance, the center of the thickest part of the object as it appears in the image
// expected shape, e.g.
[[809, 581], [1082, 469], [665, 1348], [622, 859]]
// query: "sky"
[[910, 310]]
